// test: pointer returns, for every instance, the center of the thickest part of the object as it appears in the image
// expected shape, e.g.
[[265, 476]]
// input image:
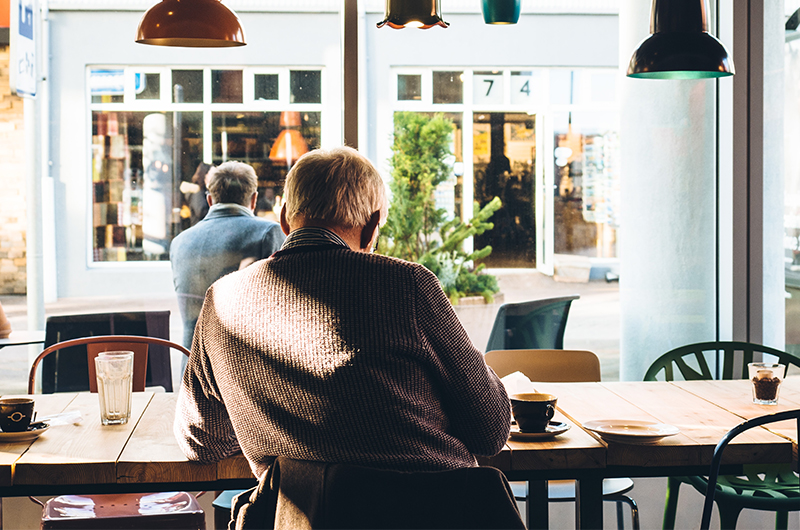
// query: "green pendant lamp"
[[422, 14], [680, 46], [500, 11], [190, 23]]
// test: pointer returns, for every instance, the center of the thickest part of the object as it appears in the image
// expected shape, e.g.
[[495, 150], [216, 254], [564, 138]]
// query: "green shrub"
[[418, 231]]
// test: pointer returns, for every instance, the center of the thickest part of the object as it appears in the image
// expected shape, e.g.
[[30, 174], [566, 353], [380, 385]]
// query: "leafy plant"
[[416, 230]]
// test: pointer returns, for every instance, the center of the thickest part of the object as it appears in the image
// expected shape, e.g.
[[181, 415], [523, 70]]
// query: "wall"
[[12, 184]]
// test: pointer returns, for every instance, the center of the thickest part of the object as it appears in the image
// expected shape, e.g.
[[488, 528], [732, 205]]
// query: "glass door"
[[506, 165]]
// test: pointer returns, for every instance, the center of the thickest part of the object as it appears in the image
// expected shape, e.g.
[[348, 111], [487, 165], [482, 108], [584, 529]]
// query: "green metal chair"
[[763, 487]]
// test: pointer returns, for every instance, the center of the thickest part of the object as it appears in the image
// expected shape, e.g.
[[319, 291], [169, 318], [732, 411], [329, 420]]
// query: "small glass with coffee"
[[766, 379]]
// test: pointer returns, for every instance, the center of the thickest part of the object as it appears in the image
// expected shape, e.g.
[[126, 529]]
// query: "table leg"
[[536, 507], [589, 502]]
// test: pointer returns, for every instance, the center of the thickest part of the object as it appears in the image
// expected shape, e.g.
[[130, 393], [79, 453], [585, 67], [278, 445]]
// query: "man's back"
[[343, 356], [214, 247]]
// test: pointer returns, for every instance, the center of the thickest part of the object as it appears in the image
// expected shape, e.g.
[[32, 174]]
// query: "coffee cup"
[[15, 414], [533, 412]]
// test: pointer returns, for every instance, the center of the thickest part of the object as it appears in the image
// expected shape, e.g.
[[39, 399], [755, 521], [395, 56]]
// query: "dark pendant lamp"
[[500, 11], [680, 46], [422, 14], [190, 23]]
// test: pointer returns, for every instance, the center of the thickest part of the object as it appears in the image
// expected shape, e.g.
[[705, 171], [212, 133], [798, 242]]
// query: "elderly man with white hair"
[[328, 352]]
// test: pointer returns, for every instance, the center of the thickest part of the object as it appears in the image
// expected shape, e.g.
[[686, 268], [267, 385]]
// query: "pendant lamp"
[[290, 144], [680, 46], [422, 14], [190, 23], [500, 11]]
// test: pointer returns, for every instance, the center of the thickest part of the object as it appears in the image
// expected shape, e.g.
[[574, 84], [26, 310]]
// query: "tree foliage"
[[416, 230]]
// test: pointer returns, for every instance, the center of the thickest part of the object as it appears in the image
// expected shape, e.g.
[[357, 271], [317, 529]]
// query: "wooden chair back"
[[552, 366], [102, 343]]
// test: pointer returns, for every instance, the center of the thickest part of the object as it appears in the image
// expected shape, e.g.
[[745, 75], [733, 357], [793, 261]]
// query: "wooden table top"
[[145, 451]]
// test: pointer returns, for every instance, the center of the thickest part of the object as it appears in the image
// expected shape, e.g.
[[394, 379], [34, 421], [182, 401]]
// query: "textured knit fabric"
[[213, 248], [325, 354]]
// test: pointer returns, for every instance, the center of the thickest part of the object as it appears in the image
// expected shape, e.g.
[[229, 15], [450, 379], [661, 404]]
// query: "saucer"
[[554, 428], [31, 434], [631, 431]]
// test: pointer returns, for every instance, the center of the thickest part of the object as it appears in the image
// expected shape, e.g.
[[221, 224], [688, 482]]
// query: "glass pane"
[[487, 88], [148, 86], [527, 88], [107, 85], [587, 178], [137, 204], [266, 87], [269, 141], [187, 86], [306, 86], [226, 86], [504, 151], [448, 87], [409, 87]]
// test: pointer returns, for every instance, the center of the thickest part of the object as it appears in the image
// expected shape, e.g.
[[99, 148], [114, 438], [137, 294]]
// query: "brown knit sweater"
[[322, 353]]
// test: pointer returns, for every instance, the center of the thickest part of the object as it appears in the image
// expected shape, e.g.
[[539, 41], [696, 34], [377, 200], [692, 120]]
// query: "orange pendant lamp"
[[191, 24], [422, 14], [290, 144]]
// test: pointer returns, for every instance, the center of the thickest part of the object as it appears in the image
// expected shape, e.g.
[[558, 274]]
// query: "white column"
[[667, 230]]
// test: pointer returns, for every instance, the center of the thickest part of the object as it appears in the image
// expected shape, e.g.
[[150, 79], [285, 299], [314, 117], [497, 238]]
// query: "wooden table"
[[144, 456], [703, 410]]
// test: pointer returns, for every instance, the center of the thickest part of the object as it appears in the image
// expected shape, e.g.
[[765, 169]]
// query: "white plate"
[[24, 436], [553, 429], [631, 431]]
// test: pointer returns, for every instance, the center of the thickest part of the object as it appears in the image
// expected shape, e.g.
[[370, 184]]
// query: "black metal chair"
[[766, 500], [68, 371], [534, 325]]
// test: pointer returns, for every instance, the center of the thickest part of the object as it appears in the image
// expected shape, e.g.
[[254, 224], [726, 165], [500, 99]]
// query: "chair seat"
[[171, 509], [564, 490]]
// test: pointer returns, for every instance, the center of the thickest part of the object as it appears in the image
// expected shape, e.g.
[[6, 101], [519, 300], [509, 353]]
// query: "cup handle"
[[551, 411]]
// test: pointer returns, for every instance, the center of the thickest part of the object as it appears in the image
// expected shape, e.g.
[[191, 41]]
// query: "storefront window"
[[545, 141], [145, 147]]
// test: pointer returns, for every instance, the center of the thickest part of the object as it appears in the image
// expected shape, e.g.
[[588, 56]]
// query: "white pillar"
[[667, 230]]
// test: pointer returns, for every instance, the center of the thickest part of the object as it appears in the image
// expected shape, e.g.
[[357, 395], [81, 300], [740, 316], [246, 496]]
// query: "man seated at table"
[[328, 352], [228, 238]]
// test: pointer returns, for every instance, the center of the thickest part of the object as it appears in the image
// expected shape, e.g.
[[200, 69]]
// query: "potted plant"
[[416, 230]]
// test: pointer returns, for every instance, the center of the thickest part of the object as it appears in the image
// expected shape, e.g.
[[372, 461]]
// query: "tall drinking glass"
[[114, 386]]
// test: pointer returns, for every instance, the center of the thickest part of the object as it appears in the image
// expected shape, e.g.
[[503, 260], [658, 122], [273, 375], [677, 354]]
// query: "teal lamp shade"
[[422, 14], [191, 24], [500, 11], [680, 46]]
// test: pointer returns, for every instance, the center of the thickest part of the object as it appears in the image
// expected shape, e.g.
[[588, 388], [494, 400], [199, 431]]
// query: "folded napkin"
[[517, 383]]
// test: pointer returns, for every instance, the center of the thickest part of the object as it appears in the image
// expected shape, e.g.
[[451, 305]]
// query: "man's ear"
[[370, 231], [284, 222], [209, 200], [254, 201]]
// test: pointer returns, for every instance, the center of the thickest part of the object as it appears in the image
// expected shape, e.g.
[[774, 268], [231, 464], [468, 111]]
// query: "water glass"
[[114, 386], [766, 379]]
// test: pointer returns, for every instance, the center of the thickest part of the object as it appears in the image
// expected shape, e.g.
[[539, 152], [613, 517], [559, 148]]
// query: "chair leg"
[[624, 499], [728, 515], [671, 503], [781, 520]]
